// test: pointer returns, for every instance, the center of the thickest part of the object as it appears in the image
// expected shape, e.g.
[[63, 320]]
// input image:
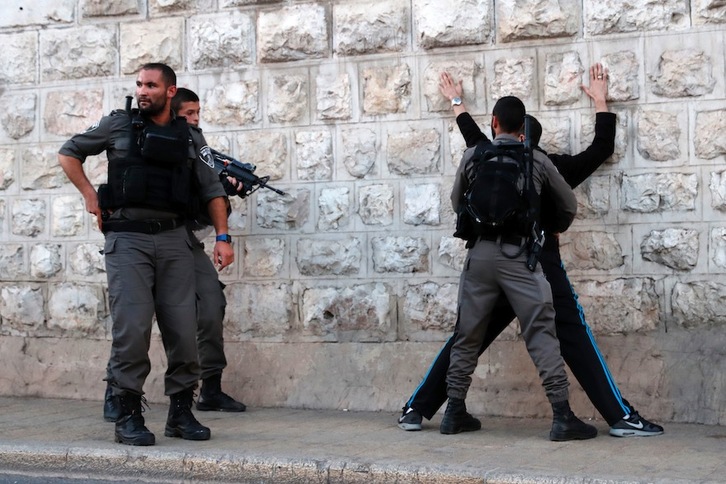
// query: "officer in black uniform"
[[158, 177]]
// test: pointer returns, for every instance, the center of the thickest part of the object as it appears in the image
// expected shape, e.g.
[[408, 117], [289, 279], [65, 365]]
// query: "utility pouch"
[[165, 145]]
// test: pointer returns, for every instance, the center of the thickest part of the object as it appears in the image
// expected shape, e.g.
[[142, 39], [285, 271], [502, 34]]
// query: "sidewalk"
[[68, 438]]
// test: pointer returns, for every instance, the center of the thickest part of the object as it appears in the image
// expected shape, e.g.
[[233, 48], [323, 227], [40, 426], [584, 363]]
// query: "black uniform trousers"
[[577, 346]]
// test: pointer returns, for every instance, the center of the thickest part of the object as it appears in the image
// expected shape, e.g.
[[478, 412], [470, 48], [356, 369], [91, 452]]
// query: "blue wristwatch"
[[224, 238]]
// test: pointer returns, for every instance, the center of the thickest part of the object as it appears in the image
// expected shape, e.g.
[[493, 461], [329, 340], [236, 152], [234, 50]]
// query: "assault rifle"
[[538, 236], [243, 172]]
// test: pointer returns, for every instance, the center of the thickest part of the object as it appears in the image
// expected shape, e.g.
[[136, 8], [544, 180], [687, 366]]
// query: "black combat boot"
[[130, 428], [457, 419], [111, 407], [566, 426], [211, 397], [181, 421]]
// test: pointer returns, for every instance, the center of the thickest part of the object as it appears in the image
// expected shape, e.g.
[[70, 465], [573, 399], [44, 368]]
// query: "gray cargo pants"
[[210, 314], [150, 274], [487, 272]]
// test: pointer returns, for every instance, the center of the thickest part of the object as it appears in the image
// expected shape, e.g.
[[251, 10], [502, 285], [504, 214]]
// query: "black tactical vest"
[[156, 173]]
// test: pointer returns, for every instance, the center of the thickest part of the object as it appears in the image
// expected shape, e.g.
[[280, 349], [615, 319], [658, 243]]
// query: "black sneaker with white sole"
[[410, 419], [635, 426]]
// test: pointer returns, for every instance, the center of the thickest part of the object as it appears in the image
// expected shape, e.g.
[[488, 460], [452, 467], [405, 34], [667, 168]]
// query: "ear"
[[170, 91], [495, 123]]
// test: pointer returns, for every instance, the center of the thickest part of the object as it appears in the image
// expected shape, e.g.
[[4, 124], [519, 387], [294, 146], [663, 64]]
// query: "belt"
[[506, 239], [142, 226]]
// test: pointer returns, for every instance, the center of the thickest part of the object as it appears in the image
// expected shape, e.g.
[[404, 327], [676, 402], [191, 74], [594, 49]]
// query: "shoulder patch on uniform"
[[93, 126], [205, 154]]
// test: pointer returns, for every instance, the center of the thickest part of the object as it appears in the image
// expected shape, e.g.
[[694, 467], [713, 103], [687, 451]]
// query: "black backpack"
[[501, 198]]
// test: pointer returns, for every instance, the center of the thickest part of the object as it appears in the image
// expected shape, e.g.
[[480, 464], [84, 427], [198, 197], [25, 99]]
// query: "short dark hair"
[[183, 95], [167, 73], [535, 131], [510, 112]]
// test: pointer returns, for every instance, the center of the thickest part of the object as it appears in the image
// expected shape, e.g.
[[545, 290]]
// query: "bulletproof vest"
[[156, 173], [500, 198]]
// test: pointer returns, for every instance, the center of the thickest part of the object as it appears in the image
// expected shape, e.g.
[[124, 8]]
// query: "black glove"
[[230, 189]]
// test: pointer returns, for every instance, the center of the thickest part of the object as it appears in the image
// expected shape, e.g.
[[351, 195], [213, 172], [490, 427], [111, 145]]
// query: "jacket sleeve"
[[562, 206], [470, 130], [576, 168]]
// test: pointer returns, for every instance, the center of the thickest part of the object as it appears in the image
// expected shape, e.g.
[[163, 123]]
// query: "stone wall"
[[344, 288]]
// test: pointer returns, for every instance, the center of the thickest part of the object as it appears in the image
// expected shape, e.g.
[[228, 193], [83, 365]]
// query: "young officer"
[[143, 211], [577, 343]]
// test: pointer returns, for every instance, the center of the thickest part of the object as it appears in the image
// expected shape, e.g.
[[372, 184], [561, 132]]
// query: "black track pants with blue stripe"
[[577, 346]]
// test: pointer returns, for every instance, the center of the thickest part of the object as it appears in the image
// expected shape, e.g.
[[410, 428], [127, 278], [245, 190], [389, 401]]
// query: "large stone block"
[[267, 150], [69, 112], [329, 257], [76, 308], [708, 12], [258, 311], [86, 260], [356, 313], [282, 36], [12, 261], [556, 134], [7, 168], [370, 27], [333, 95], [109, 8], [18, 57], [80, 53], [19, 121], [710, 134], [289, 212], [22, 309], [659, 135], [621, 305], [375, 204], [166, 35], [40, 169], [422, 204], [45, 260], [264, 257], [563, 77], [674, 248], [469, 22], [518, 20], [287, 99], [386, 90], [67, 215], [699, 304], [452, 252], [652, 193], [717, 244], [591, 250], [414, 152], [464, 71], [717, 185], [593, 197], [221, 40], [618, 16], [400, 254], [314, 155], [28, 217], [232, 104], [683, 73], [429, 311], [359, 151], [623, 82], [513, 76], [19, 13], [334, 209]]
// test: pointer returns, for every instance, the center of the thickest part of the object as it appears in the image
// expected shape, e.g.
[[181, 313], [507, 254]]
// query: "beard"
[[152, 108]]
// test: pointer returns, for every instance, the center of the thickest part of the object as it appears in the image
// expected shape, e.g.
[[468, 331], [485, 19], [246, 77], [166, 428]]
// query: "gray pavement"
[[69, 439]]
